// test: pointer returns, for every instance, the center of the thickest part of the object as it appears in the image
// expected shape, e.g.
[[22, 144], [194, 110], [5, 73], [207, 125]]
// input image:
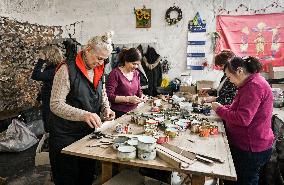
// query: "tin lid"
[[147, 139], [151, 121], [170, 129], [126, 149], [133, 142]]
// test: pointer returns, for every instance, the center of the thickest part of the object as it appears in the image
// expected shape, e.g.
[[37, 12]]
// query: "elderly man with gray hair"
[[77, 99]]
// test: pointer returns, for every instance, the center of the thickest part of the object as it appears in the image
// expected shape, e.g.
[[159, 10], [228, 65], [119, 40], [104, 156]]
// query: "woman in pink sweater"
[[248, 119], [123, 84]]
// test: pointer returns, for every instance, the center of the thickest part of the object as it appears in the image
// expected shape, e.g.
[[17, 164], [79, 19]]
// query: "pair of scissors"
[[102, 144], [99, 135]]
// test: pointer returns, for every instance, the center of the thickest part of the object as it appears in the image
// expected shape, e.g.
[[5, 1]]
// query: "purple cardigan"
[[118, 85], [248, 118]]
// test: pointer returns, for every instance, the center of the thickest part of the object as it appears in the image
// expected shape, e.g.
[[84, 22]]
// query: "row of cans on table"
[[203, 127]]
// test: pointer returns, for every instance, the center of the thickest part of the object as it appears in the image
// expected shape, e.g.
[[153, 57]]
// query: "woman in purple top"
[[123, 85], [248, 119]]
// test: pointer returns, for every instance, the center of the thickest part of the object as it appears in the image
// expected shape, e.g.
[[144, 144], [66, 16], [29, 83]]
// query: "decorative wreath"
[[172, 21]]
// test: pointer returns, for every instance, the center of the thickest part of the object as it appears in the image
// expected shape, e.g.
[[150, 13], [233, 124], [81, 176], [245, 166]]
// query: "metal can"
[[214, 130], [195, 128], [119, 128], [204, 132]]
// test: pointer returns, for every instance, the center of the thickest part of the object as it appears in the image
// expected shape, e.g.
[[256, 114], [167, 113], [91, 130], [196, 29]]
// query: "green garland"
[[172, 21]]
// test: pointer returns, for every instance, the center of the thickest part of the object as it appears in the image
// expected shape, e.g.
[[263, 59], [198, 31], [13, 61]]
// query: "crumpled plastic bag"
[[17, 137], [165, 82]]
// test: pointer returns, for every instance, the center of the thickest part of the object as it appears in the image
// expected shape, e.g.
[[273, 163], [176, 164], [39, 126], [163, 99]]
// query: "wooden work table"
[[215, 146]]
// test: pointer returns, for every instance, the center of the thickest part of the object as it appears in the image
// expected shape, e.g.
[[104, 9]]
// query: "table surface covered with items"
[[279, 112], [164, 134]]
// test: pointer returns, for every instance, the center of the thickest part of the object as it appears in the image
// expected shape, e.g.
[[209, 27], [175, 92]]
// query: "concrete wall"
[[101, 15]]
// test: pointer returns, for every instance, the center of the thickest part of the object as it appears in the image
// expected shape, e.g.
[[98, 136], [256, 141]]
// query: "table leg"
[[106, 171], [197, 180]]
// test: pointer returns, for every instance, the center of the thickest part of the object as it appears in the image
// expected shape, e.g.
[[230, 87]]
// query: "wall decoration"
[[197, 24], [196, 43], [172, 21], [166, 66], [143, 17], [274, 5], [259, 35], [19, 44], [214, 38]]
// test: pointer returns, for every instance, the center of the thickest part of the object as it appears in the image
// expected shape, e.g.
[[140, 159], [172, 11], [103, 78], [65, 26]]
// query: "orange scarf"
[[98, 71]]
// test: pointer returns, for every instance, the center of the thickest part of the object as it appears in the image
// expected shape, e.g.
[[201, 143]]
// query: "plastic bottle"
[[175, 179]]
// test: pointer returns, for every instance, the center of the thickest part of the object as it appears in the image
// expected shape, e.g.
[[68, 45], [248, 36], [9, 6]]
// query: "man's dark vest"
[[82, 95]]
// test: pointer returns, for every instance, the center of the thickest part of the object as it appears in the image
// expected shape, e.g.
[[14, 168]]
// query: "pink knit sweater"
[[248, 118]]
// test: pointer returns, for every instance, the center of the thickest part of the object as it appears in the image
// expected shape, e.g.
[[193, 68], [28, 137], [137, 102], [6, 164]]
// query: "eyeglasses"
[[106, 60], [101, 58]]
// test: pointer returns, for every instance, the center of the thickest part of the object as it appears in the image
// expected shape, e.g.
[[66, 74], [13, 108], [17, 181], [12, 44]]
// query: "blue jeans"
[[248, 165]]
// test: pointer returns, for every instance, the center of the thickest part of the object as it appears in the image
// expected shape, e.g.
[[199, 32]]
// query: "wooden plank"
[[187, 154], [178, 150], [210, 158], [197, 180], [169, 159], [204, 160], [175, 155], [106, 171]]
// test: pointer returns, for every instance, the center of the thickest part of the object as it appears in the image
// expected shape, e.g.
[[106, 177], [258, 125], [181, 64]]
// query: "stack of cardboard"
[[204, 84]]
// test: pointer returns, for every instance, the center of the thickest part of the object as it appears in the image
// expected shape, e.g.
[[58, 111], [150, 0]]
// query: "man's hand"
[[93, 120], [108, 114]]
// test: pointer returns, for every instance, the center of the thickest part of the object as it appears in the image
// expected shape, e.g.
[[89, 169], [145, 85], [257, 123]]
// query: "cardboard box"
[[190, 89], [276, 72], [187, 95], [42, 158], [204, 84]]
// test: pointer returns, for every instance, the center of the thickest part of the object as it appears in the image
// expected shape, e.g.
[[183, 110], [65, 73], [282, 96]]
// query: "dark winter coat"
[[46, 76], [153, 69]]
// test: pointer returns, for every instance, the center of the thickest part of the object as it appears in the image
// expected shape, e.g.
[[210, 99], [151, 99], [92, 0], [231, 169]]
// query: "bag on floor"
[[17, 137]]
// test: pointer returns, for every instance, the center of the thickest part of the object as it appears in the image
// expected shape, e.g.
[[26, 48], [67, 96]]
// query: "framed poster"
[[143, 18]]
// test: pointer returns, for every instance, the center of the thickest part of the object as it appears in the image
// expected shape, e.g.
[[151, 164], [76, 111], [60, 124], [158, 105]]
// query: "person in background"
[[226, 90], [49, 57], [123, 85], [143, 77], [77, 99], [248, 119]]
